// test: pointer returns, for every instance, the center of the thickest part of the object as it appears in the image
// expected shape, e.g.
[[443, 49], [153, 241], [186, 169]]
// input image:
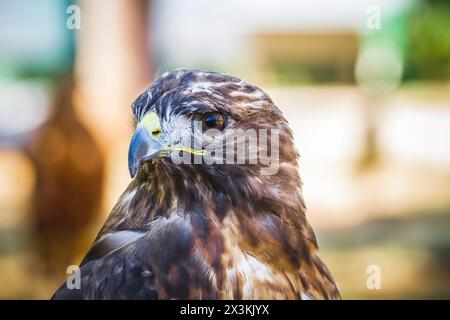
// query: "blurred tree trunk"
[[113, 66], [370, 153]]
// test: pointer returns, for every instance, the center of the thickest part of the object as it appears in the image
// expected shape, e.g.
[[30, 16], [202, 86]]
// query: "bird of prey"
[[205, 229]]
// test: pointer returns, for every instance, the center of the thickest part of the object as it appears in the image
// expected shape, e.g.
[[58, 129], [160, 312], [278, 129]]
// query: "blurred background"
[[364, 84]]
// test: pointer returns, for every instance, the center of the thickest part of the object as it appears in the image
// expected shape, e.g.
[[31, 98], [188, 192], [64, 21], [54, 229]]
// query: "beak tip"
[[133, 164], [131, 170]]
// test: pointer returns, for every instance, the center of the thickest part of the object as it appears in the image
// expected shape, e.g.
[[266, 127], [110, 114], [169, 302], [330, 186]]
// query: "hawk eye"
[[213, 120]]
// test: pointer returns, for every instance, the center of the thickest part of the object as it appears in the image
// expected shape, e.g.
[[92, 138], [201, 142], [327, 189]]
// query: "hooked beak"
[[144, 144]]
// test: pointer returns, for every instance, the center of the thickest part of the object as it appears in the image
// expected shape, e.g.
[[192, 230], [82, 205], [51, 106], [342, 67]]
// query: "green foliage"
[[428, 51]]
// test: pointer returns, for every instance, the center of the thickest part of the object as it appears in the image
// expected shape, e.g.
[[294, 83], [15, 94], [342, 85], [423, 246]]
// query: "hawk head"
[[203, 132]]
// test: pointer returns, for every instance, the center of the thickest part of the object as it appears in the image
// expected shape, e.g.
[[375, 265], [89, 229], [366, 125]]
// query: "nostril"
[[156, 132]]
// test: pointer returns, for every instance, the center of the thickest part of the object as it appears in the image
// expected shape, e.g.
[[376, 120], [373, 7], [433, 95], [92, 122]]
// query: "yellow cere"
[[151, 123]]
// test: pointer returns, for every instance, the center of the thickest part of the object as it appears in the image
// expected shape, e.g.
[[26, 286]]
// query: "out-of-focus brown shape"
[[68, 189]]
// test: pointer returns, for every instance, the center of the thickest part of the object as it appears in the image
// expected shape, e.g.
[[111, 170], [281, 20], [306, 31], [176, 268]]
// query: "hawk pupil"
[[211, 121]]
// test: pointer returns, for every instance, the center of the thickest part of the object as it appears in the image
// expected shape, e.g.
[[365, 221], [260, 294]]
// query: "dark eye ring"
[[213, 120]]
